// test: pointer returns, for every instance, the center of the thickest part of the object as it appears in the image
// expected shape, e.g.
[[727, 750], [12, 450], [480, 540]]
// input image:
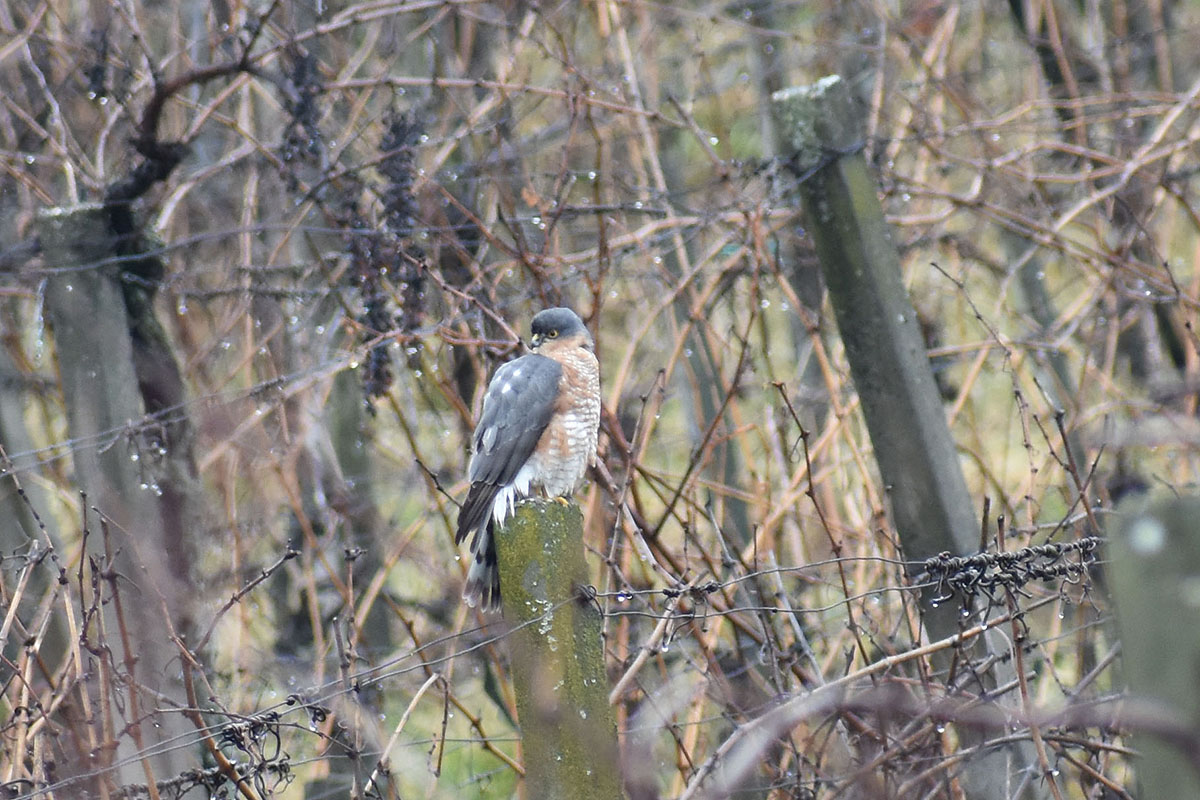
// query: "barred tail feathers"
[[488, 506], [483, 576]]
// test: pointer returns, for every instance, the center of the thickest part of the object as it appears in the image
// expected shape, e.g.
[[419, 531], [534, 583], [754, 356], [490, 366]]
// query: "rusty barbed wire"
[[966, 576]]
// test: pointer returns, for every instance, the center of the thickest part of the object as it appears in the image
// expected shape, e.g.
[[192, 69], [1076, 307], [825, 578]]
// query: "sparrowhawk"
[[537, 433]]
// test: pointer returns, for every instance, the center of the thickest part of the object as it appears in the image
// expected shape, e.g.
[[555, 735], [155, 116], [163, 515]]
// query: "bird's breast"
[[568, 445]]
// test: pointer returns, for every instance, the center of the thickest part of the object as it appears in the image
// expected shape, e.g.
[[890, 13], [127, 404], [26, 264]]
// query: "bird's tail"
[[483, 576]]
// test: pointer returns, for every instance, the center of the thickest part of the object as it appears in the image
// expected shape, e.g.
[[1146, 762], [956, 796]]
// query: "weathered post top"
[[816, 116]]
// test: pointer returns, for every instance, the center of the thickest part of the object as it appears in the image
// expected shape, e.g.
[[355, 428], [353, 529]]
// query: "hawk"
[[537, 433]]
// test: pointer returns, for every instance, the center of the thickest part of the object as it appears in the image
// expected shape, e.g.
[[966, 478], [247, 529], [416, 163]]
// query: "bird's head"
[[558, 325]]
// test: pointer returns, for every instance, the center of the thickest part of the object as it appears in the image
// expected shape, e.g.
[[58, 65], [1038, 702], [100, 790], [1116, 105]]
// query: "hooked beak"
[[535, 341]]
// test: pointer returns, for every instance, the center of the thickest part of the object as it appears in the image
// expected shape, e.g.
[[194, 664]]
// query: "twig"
[[237, 596]]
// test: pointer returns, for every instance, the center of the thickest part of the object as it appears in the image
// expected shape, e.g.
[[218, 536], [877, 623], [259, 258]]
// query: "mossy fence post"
[[917, 458], [568, 730], [1153, 569]]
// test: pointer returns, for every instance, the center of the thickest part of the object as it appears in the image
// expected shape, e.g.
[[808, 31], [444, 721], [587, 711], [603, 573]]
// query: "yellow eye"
[[552, 334]]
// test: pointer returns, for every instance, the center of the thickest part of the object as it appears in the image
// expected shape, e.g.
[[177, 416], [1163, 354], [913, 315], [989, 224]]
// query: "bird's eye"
[[551, 334]]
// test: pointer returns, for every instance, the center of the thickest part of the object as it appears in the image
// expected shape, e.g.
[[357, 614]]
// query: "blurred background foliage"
[[355, 208]]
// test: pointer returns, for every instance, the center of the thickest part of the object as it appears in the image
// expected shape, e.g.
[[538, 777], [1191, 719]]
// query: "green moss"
[[568, 731]]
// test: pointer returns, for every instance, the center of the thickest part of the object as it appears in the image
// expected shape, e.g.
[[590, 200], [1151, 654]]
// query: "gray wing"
[[516, 410]]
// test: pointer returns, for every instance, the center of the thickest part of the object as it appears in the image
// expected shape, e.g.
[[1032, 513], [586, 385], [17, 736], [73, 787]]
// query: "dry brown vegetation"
[[358, 206]]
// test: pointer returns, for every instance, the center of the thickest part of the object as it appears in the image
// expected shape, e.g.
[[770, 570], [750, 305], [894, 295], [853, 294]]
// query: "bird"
[[537, 432]]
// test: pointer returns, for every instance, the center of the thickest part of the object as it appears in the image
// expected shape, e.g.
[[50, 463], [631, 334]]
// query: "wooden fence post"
[[86, 309], [1153, 566], [918, 460], [568, 730]]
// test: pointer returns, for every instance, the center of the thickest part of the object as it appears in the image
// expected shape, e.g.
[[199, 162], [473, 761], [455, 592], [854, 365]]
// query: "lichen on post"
[[568, 731]]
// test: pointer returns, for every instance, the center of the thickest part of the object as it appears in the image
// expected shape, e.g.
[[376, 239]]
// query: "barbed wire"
[[966, 576]]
